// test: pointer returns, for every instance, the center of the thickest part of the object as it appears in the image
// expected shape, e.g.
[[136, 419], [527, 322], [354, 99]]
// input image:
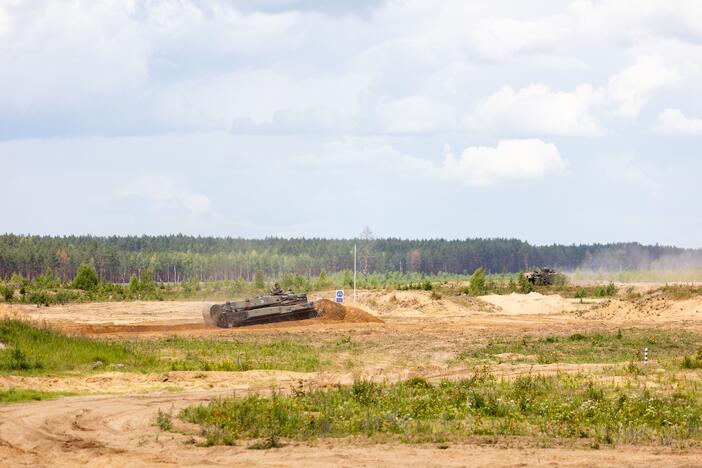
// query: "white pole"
[[354, 275]]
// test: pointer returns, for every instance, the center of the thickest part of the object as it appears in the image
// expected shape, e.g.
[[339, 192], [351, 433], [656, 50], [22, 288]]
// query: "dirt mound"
[[653, 307], [334, 312], [532, 303], [416, 305]]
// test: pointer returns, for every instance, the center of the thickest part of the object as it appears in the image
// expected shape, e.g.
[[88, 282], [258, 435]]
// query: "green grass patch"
[[680, 291], [415, 411], [189, 354], [36, 350], [617, 346], [33, 349], [694, 361], [15, 395]]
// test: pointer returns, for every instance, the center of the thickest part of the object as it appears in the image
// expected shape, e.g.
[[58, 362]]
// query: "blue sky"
[[550, 121]]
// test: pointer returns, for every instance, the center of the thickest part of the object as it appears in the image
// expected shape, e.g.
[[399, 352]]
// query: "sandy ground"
[[117, 431], [419, 336]]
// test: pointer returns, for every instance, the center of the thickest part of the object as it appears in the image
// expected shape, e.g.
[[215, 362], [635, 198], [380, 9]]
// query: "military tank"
[[542, 276], [278, 306]]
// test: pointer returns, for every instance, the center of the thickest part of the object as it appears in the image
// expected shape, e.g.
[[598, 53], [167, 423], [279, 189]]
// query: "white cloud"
[[498, 38], [509, 160], [674, 122], [144, 67], [540, 110], [373, 153], [537, 109], [413, 114], [167, 193], [632, 20], [478, 166], [631, 88]]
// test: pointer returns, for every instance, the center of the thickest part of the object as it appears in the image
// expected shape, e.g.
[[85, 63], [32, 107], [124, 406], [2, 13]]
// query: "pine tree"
[[259, 282], [86, 278]]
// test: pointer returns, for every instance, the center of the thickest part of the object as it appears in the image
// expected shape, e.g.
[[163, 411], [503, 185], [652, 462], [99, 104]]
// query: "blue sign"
[[340, 295]]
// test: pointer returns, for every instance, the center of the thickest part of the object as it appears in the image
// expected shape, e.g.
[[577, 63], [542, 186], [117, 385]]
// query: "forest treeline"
[[179, 257]]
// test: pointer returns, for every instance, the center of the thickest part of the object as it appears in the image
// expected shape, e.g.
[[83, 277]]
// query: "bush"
[[323, 281], [86, 278], [259, 282], [47, 281], [525, 287], [147, 280], [347, 279], [606, 291], [693, 362], [19, 361], [39, 298], [7, 293], [134, 284], [477, 282]]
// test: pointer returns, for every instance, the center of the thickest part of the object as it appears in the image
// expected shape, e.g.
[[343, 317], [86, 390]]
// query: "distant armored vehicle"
[[541, 277], [279, 306]]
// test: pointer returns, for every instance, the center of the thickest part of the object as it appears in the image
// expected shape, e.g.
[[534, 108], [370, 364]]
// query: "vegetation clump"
[[694, 361], [562, 406], [609, 347], [15, 395], [86, 278], [33, 349]]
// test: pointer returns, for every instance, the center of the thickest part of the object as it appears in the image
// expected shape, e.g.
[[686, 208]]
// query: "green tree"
[[134, 284], [147, 280], [7, 292], [525, 286], [259, 281], [347, 279], [511, 285], [86, 278], [47, 281], [323, 280], [477, 282]]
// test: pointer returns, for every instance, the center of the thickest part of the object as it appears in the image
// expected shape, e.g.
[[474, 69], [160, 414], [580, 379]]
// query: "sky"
[[549, 121]]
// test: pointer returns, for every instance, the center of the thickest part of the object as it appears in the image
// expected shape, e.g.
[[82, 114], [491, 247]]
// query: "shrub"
[[47, 281], [7, 293], [323, 280], [347, 278], [477, 282], [164, 420], [19, 361], [606, 291], [147, 280], [525, 287], [39, 298], [259, 282], [134, 284], [86, 278], [693, 362]]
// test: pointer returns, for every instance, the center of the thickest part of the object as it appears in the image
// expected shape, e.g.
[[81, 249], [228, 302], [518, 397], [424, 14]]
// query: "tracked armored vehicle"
[[279, 306], [541, 277]]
